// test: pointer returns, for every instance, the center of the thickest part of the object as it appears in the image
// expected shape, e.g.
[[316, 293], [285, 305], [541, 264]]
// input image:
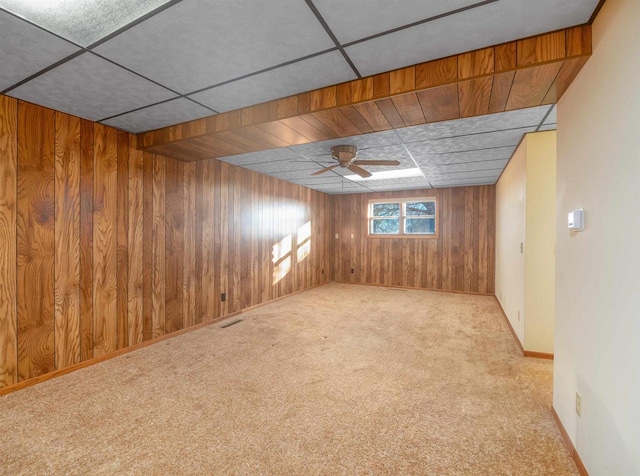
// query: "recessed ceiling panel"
[[317, 72], [511, 137], [426, 160], [92, 88], [167, 113], [356, 19], [82, 21], [200, 43], [530, 117], [491, 24], [26, 49]]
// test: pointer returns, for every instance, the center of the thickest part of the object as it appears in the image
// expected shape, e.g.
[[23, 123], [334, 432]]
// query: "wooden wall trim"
[[569, 444], [96, 360], [519, 74], [538, 355]]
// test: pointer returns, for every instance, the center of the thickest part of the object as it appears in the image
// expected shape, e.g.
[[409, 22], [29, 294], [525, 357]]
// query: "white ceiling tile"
[[465, 183], [426, 159], [488, 25], [317, 72], [552, 118], [299, 163], [458, 176], [82, 22], [200, 43], [436, 170], [530, 117], [26, 49], [92, 88], [167, 113], [376, 16]]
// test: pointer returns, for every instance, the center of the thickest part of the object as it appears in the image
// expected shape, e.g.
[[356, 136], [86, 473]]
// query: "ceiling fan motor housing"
[[344, 153]]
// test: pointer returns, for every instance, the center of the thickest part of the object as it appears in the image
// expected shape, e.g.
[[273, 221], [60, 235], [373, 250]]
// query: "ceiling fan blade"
[[326, 169], [376, 162], [359, 170]]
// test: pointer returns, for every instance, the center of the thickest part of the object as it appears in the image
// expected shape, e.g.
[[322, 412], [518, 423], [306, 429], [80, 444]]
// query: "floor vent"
[[229, 324]]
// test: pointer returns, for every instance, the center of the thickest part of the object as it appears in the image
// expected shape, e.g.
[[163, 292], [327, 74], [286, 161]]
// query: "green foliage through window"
[[403, 217]]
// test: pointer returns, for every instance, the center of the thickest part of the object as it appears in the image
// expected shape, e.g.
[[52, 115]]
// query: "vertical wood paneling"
[[86, 239], [67, 240], [105, 323], [174, 245], [135, 240], [158, 248], [8, 179], [35, 239], [108, 246], [189, 264], [459, 259], [122, 284]]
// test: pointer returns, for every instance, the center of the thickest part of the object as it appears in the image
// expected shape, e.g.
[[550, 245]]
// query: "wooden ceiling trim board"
[[500, 91], [266, 137], [337, 122], [568, 71], [512, 75], [409, 109], [543, 48], [373, 115], [530, 86], [283, 132], [474, 96], [356, 119], [440, 104], [390, 112]]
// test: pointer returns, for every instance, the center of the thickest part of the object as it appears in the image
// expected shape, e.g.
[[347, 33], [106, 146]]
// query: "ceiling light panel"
[[161, 115], [201, 43], [81, 21], [490, 24], [72, 86], [313, 73], [26, 49], [376, 16]]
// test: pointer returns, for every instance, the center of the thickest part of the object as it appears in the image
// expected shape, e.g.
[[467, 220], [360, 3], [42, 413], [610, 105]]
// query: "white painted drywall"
[[597, 342]]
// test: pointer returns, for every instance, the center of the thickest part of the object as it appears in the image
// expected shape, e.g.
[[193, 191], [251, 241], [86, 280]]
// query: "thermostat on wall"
[[576, 220]]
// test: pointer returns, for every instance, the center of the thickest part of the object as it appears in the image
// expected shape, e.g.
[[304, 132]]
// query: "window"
[[409, 217]]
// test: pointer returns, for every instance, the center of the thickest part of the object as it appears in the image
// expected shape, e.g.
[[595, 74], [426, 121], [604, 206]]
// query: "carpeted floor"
[[342, 379]]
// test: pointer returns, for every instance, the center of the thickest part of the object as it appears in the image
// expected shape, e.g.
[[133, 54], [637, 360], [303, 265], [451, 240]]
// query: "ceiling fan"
[[346, 157]]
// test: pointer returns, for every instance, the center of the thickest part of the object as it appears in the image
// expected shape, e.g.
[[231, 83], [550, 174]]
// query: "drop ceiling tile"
[[26, 49], [458, 176], [365, 141], [421, 150], [530, 117], [436, 170], [82, 22], [262, 156], [465, 183], [552, 118], [426, 159], [200, 43], [167, 113], [490, 24], [317, 72], [548, 127], [294, 174], [389, 152], [90, 87], [399, 184], [325, 179], [375, 16]]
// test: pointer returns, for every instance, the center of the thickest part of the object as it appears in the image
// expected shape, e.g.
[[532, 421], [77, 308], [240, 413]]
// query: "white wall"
[[510, 232], [597, 345], [540, 240]]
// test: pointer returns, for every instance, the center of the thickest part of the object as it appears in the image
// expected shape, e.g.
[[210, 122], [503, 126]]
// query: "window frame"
[[402, 201]]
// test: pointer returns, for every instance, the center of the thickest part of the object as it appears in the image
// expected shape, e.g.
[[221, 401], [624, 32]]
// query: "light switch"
[[576, 220]]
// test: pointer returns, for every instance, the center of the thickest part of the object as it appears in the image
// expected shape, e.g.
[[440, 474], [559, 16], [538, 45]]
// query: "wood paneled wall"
[[103, 246], [460, 259]]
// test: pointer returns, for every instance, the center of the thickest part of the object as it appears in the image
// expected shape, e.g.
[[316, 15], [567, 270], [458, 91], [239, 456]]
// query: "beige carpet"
[[342, 379]]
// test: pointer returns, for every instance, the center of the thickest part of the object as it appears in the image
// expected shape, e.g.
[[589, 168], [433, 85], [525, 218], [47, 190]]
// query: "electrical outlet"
[[323, 272], [223, 297], [353, 270], [518, 316], [521, 247], [578, 404], [337, 236], [353, 235]]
